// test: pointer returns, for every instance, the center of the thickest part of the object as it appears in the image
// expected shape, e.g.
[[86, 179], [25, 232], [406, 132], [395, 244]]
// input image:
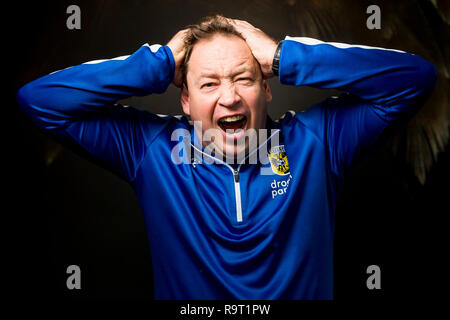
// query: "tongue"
[[231, 125]]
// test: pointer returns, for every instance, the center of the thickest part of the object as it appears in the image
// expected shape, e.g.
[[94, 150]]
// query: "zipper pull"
[[236, 175]]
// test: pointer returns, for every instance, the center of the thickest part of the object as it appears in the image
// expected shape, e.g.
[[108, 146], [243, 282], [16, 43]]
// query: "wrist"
[[276, 59]]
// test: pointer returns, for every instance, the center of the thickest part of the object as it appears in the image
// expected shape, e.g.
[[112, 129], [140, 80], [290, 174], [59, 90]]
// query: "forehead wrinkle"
[[231, 72]]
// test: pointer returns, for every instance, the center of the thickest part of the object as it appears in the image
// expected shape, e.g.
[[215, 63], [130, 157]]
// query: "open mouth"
[[233, 123]]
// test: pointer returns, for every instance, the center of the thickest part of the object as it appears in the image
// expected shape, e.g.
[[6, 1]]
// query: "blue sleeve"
[[78, 106], [381, 87]]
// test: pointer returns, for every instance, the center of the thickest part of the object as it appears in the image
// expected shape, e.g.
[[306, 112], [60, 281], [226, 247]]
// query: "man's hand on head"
[[176, 45], [263, 47]]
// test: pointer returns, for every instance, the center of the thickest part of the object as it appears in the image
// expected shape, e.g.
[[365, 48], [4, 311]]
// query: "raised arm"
[[78, 104], [383, 88], [390, 80]]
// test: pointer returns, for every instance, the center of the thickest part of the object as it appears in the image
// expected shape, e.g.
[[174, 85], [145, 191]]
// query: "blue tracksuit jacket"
[[254, 231]]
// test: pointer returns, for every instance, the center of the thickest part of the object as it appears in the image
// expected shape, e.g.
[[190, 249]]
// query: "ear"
[[184, 99], [267, 91]]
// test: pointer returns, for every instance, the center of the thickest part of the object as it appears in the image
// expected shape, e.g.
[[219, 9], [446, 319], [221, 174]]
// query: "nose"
[[229, 97]]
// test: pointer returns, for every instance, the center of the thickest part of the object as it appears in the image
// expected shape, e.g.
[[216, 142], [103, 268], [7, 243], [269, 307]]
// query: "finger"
[[237, 22], [243, 23], [231, 21], [239, 26]]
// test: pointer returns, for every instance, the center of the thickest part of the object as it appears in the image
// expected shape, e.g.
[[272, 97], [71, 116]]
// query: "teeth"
[[232, 119]]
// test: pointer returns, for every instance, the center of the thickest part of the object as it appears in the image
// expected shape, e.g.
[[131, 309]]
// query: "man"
[[224, 227]]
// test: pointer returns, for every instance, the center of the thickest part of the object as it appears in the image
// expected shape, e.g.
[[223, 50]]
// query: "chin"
[[234, 153]]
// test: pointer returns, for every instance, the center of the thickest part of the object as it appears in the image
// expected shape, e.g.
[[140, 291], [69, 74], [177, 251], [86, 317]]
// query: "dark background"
[[63, 210]]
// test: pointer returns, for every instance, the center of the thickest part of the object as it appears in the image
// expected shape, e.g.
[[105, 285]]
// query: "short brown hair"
[[204, 29]]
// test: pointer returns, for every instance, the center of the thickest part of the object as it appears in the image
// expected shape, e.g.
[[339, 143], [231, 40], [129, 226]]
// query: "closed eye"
[[245, 80], [208, 85]]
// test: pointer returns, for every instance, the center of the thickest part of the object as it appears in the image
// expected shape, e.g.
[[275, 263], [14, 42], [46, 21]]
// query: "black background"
[[74, 212]]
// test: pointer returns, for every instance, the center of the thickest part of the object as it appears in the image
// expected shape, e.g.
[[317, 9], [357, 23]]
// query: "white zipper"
[[237, 186], [237, 193], [235, 172]]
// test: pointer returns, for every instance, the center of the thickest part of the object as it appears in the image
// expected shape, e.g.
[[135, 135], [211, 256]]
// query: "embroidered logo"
[[278, 160]]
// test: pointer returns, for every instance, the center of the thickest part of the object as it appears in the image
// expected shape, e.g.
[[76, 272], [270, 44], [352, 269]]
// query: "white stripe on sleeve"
[[312, 42]]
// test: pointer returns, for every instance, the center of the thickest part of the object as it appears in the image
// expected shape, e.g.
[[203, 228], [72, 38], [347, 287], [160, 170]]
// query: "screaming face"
[[226, 92]]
